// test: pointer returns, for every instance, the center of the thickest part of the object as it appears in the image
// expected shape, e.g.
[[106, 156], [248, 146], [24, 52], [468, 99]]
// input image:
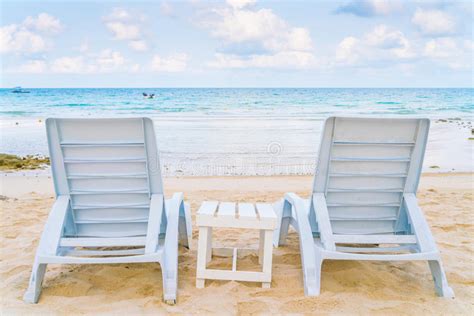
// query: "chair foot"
[[36, 280], [440, 280], [170, 283], [312, 279]]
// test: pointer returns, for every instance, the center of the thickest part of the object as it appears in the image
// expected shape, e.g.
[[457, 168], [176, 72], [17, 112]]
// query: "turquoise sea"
[[206, 131], [433, 103]]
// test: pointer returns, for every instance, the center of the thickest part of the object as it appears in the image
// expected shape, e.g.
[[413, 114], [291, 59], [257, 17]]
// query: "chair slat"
[[107, 176], [92, 253], [110, 160], [375, 239], [98, 192], [118, 214], [342, 142], [107, 230], [369, 159], [109, 206], [370, 175], [101, 144], [102, 242], [114, 220], [366, 190]]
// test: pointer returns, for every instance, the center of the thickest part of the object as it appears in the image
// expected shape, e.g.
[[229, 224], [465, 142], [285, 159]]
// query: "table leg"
[[209, 245], [261, 246], [202, 255], [267, 255]]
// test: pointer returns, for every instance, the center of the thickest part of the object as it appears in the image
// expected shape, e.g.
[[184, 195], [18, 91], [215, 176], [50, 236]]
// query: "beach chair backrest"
[[109, 168], [364, 167]]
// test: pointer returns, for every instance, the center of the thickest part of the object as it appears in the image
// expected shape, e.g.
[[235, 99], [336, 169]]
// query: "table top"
[[241, 215]]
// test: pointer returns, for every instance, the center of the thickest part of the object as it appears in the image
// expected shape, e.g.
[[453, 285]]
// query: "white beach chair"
[[363, 204], [109, 201]]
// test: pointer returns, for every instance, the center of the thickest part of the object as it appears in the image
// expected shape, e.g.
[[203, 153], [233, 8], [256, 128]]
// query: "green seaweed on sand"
[[13, 162]]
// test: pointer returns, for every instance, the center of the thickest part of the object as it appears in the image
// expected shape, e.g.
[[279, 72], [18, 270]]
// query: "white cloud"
[[119, 14], [84, 47], [30, 36], [382, 43], [123, 31], [43, 23], [264, 37], [384, 46], [237, 25], [282, 60], [239, 4], [33, 67], [434, 22], [135, 68], [391, 40], [139, 45], [453, 53], [126, 26], [173, 63], [385, 7], [441, 48], [107, 61], [166, 9], [14, 38], [369, 8], [346, 50], [75, 65]]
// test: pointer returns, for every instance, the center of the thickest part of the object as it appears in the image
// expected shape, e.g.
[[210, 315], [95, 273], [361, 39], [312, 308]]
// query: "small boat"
[[148, 96], [19, 90]]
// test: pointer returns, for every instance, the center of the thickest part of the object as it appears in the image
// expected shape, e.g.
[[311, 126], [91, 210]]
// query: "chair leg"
[[283, 211], [170, 285], [285, 226], [36, 280], [312, 279], [185, 226], [440, 280]]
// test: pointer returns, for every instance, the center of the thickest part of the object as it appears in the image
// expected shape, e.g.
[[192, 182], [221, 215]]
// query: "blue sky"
[[237, 43]]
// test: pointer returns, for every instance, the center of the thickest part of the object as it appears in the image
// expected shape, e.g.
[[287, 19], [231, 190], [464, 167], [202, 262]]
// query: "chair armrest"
[[53, 228], [292, 198], [306, 241], [419, 224], [172, 216], [322, 217], [154, 222]]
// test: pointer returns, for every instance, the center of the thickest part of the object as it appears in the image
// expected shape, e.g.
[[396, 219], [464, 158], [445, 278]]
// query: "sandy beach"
[[347, 287]]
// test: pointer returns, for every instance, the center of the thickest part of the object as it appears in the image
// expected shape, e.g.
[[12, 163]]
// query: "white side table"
[[225, 214]]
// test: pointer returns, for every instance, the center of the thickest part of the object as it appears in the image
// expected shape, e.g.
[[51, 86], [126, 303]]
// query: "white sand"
[[347, 287]]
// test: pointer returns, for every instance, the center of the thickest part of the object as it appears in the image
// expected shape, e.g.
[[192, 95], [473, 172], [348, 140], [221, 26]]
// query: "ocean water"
[[302, 102], [206, 131]]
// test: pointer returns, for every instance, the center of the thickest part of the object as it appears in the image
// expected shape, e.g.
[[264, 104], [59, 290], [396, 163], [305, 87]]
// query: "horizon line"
[[269, 87]]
